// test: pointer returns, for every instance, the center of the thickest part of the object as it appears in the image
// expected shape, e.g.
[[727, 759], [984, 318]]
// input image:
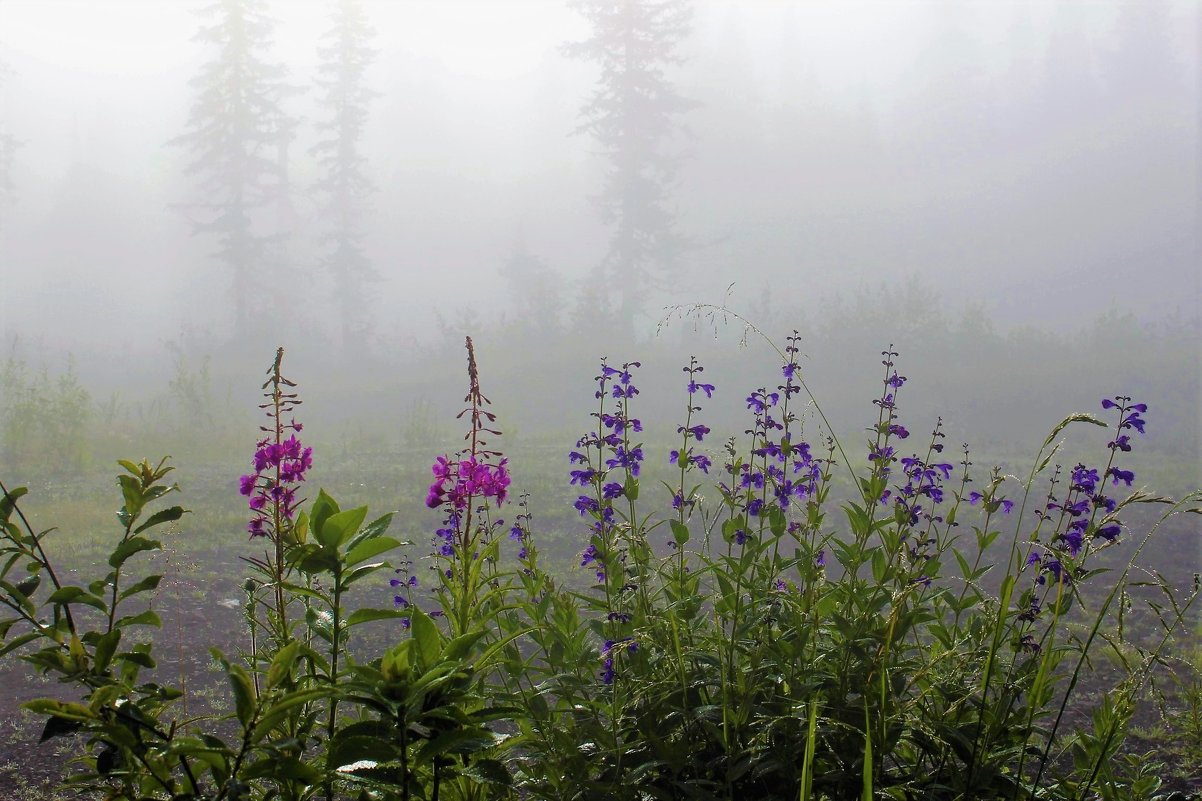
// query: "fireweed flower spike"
[[280, 464], [280, 460], [463, 485]]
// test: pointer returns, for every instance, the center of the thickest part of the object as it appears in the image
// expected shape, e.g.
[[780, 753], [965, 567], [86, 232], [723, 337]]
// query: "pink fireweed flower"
[[279, 466], [456, 482]]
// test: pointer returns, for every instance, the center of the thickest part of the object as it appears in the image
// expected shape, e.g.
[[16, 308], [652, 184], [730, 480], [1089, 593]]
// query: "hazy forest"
[[769, 215]]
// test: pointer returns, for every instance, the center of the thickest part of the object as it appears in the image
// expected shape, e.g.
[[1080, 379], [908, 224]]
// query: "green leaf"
[[29, 585], [322, 508], [131, 490], [347, 750], [59, 727], [22, 599], [8, 501], [243, 687], [368, 615], [283, 768], [17, 642], [106, 646], [372, 530], [456, 741], [368, 548], [879, 565], [631, 488], [160, 517], [283, 707], [281, 665], [139, 658], [338, 528], [361, 571], [76, 595], [321, 560], [1079, 417], [776, 521], [130, 547], [67, 710], [147, 618], [426, 635], [148, 583], [680, 532]]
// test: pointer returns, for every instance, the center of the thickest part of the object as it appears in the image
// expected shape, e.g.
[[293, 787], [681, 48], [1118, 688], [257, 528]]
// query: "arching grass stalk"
[[712, 310]]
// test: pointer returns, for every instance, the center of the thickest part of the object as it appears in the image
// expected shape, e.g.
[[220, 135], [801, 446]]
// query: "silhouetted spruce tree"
[[633, 114], [237, 139], [344, 185]]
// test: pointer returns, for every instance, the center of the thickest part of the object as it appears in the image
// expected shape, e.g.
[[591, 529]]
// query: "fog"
[[1025, 173]]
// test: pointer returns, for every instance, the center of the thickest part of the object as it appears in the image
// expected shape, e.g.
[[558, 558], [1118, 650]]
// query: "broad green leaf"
[[22, 599], [680, 532], [281, 709], [72, 594], [130, 547], [373, 529], [60, 709], [322, 508], [368, 548], [631, 488], [347, 750], [285, 768], [360, 572], [29, 585], [368, 615], [139, 658], [106, 646], [244, 690], [338, 528], [148, 583], [59, 727], [160, 517], [281, 665], [147, 618], [17, 642], [427, 636], [9, 499], [131, 490]]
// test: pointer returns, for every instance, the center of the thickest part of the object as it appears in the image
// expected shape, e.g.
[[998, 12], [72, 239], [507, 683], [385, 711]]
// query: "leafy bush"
[[761, 638]]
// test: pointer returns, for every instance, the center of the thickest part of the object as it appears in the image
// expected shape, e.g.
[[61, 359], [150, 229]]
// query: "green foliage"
[[43, 419], [823, 648]]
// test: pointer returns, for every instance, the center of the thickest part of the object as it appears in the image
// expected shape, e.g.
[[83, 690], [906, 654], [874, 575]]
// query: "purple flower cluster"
[[880, 452], [456, 483], [608, 448], [780, 472], [519, 532], [685, 457], [991, 503], [1075, 515], [404, 585], [279, 467], [609, 650]]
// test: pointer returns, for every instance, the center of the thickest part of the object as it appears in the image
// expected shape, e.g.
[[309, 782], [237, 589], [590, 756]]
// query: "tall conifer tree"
[[344, 185], [632, 114], [237, 138]]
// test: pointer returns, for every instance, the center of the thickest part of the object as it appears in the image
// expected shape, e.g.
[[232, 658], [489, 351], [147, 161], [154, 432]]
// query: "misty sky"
[[1037, 158]]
